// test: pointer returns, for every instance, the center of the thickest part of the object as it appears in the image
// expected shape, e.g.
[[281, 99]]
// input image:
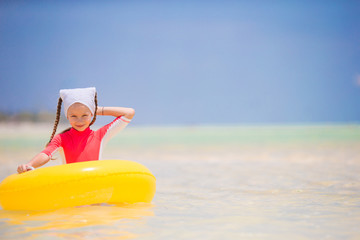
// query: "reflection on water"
[[284, 182], [87, 222]]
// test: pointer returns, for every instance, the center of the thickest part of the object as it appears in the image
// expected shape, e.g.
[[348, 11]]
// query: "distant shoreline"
[[23, 125]]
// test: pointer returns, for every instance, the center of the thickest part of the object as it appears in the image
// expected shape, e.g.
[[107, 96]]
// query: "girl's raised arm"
[[116, 111]]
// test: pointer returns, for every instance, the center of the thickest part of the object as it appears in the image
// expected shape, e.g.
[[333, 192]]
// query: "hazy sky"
[[187, 62]]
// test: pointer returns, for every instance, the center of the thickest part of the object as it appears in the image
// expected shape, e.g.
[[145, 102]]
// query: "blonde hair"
[[57, 118]]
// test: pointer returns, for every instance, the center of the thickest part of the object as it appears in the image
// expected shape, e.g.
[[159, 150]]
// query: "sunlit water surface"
[[255, 182]]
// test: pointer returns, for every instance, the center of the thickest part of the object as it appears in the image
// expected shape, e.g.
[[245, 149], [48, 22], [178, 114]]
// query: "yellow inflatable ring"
[[76, 184]]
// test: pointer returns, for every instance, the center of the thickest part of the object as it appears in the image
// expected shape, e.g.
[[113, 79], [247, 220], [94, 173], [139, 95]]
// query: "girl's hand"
[[37, 161], [24, 168]]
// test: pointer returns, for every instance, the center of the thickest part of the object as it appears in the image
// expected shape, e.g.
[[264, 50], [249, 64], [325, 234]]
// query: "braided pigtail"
[[57, 119], [96, 105]]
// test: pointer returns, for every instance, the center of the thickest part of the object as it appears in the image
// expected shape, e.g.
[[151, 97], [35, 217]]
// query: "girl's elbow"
[[131, 113]]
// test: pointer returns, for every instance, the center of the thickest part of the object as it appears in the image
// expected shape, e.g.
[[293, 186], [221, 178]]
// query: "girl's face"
[[79, 116]]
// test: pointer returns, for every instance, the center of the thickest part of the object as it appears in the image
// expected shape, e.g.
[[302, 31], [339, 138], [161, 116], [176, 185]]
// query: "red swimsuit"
[[86, 145]]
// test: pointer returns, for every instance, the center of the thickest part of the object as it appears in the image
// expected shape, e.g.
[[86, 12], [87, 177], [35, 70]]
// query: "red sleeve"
[[111, 129], [104, 129], [53, 145]]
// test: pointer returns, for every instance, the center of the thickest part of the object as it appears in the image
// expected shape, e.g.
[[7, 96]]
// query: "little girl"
[[80, 143]]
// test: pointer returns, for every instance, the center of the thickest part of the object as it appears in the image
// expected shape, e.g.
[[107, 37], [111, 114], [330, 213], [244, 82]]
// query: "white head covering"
[[78, 95]]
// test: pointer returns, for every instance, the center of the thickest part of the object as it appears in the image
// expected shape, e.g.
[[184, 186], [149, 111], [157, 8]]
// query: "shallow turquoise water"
[[240, 182]]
